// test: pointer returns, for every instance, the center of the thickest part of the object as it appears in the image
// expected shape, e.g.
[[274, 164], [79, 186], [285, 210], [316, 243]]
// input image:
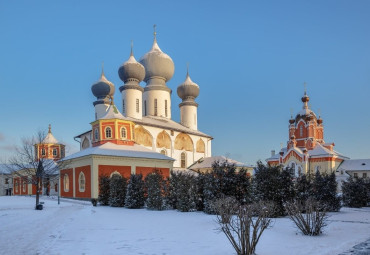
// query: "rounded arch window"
[[66, 182], [55, 152], [183, 160], [81, 182], [123, 132], [43, 152], [108, 132]]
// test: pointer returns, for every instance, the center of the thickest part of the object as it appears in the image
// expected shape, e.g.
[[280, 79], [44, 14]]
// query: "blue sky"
[[250, 59]]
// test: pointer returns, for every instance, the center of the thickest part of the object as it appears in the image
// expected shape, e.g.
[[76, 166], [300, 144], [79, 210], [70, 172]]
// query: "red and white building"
[[306, 151]]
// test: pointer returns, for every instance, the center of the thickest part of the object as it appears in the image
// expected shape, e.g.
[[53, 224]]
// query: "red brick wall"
[[124, 171], [86, 170], [68, 193], [147, 170]]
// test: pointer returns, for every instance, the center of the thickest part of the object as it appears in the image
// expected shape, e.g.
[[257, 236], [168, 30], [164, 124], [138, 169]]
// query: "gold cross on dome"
[[154, 28]]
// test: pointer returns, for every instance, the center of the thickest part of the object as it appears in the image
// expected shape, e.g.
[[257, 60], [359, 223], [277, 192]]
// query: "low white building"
[[6, 181]]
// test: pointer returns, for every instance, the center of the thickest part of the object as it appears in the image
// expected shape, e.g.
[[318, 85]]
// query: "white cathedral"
[[149, 108]]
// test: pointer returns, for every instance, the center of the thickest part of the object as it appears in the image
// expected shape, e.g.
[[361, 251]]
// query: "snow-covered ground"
[[76, 227]]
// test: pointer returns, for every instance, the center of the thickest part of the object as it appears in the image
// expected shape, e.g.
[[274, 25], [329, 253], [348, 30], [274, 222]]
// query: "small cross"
[[305, 87], [155, 32]]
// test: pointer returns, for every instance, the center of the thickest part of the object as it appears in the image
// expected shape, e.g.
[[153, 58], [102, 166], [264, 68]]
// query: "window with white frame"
[[81, 182], [108, 132], [55, 152], [43, 152], [123, 132], [66, 183]]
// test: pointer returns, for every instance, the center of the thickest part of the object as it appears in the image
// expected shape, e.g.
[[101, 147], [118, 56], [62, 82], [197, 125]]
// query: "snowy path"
[[76, 227]]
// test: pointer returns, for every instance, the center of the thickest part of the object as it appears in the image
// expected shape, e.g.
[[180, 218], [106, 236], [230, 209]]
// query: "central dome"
[[157, 64]]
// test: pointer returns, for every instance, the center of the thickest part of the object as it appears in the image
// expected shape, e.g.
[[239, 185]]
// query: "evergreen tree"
[[135, 192], [324, 190], [355, 193], [154, 186], [211, 192], [173, 189], [199, 192], [104, 189], [186, 201], [118, 186], [303, 188]]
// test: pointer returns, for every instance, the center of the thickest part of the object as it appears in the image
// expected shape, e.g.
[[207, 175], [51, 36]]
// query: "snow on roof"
[[165, 123], [50, 139], [207, 162], [320, 150], [112, 113], [355, 165], [111, 149]]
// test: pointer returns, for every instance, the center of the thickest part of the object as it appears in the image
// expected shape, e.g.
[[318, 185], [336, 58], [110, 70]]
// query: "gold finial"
[[102, 68], [49, 129], [132, 46], [155, 32], [305, 88]]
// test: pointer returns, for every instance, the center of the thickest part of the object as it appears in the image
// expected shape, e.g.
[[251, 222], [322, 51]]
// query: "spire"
[[155, 44], [155, 32], [49, 129], [187, 69], [305, 88], [102, 69], [132, 46]]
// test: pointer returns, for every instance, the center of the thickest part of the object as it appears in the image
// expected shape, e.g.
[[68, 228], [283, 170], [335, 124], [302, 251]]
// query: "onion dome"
[[319, 120], [157, 64], [131, 70], [291, 121], [103, 88], [305, 98], [188, 89]]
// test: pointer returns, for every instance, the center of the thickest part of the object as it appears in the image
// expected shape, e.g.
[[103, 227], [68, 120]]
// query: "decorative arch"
[[183, 142], [163, 140], [143, 137], [85, 143], [81, 182], [123, 133], [200, 146]]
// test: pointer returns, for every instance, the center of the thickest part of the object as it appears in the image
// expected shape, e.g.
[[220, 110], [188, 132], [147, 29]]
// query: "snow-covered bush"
[[118, 185], [186, 193], [135, 192], [309, 216], [154, 185], [324, 190], [104, 191], [355, 193]]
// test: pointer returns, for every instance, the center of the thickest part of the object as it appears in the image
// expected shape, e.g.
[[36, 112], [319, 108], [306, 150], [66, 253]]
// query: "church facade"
[[149, 109], [142, 138], [306, 151]]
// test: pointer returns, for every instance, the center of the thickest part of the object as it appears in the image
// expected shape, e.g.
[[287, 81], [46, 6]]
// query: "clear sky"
[[250, 59]]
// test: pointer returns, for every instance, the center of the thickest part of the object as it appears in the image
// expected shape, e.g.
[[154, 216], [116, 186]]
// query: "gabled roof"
[[355, 165], [207, 162], [320, 151], [111, 149], [50, 139]]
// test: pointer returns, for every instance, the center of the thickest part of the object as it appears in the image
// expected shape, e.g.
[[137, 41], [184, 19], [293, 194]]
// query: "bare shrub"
[[310, 217], [243, 225]]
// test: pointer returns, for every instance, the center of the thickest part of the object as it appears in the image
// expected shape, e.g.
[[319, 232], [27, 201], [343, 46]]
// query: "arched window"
[[81, 182], [145, 108], [55, 152], [137, 105], [43, 153], [24, 186], [66, 183], [183, 160], [108, 132], [96, 134], [123, 132], [155, 107], [164, 152], [85, 143], [301, 131]]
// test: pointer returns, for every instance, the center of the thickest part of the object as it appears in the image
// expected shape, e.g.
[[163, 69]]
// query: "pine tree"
[[104, 189], [154, 187], [355, 193], [186, 199], [173, 189], [211, 192], [135, 192], [324, 190], [303, 188], [118, 186]]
